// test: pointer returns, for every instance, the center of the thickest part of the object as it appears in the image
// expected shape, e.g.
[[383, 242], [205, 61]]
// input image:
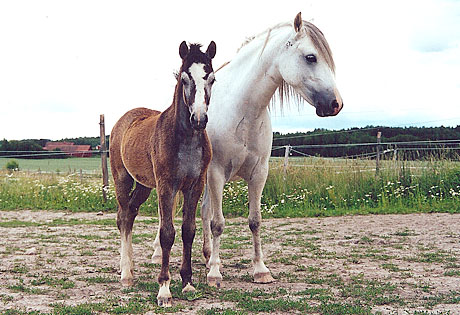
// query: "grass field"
[[310, 187], [69, 165]]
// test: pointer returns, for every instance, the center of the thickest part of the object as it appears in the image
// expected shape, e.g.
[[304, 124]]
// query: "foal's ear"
[[211, 51], [183, 50], [298, 22]]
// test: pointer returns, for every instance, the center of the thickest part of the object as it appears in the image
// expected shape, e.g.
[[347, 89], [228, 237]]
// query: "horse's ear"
[[183, 50], [298, 22], [211, 51]]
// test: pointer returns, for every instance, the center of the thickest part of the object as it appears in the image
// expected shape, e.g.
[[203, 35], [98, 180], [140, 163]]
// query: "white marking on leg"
[[164, 296], [156, 257], [126, 260], [214, 276]]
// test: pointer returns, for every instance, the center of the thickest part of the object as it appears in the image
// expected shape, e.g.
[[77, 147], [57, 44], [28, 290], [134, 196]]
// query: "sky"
[[63, 63]]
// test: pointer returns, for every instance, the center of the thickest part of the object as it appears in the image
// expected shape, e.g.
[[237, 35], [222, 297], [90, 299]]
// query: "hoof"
[[214, 282], [127, 282], [156, 260], [165, 302], [188, 288], [265, 277]]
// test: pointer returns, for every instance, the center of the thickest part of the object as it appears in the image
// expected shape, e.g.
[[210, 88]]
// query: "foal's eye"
[[310, 58]]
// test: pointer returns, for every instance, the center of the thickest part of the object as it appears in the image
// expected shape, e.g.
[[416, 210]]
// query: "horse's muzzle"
[[331, 109], [198, 123]]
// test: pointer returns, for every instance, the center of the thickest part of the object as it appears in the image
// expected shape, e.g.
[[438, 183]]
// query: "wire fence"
[[389, 150]]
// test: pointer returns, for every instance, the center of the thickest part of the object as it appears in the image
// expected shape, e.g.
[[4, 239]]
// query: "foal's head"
[[196, 78]]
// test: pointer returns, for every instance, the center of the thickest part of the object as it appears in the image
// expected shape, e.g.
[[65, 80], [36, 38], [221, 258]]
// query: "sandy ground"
[[417, 254]]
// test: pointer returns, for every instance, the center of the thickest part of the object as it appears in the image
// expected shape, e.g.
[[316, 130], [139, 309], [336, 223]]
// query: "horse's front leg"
[[216, 182], [255, 186], [167, 234], [191, 198]]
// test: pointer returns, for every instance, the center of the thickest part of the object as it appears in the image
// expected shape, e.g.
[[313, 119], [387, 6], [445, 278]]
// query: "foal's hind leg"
[[127, 212], [255, 187], [156, 257], [123, 185]]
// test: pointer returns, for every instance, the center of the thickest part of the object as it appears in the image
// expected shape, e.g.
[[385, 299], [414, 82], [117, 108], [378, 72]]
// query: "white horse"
[[296, 60]]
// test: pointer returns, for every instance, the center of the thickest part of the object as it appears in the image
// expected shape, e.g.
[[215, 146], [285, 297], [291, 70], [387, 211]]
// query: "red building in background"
[[70, 148]]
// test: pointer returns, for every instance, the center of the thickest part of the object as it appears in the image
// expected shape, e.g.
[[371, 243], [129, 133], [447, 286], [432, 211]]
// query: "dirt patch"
[[397, 264]]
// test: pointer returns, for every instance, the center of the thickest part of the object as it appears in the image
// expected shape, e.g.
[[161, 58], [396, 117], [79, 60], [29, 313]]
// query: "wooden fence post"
[[377, 160], [103, 150], [286, 158]]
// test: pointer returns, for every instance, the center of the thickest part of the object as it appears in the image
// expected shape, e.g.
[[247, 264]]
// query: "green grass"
[[63, 166], [313, 187]]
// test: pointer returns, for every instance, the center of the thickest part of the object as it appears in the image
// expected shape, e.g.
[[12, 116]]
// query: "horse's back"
[[129, 145]]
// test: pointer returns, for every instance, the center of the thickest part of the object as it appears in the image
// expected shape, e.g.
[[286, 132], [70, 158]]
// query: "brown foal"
[[170, 151]]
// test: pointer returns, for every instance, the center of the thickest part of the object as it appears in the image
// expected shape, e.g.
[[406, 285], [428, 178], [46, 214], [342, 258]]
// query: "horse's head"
[[306, 65], [196, 78]]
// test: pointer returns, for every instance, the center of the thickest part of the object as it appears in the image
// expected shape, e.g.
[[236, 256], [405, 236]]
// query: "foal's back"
[[140, 121]]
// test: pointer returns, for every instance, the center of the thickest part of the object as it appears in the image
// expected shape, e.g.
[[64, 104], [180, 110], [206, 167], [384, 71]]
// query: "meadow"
[[309, 187]]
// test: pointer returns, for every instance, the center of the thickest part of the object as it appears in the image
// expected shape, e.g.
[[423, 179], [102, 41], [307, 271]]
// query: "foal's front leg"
[[167, 234], [191, 198]]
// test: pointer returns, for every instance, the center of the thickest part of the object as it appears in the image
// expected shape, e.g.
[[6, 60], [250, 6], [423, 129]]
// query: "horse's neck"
[[254, 72]]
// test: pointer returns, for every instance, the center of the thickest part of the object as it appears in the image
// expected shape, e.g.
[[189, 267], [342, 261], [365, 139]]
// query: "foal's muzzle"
[[198, 122]]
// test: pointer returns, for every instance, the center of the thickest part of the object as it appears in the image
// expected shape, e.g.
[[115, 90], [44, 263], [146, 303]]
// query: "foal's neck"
[[182, 126]]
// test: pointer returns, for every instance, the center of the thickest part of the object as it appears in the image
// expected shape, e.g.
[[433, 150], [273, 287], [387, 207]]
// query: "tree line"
[[319, 137], [407, 139]]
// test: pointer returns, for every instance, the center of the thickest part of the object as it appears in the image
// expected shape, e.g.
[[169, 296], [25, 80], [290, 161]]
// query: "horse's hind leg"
[[216, 182], [255, 187], [206, 216], [128, 208]]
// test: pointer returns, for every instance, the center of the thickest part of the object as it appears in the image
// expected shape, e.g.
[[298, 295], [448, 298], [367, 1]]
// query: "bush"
[[12, 165]]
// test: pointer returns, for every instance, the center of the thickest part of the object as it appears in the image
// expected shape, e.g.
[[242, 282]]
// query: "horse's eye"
[[184, 82], [310, 58]]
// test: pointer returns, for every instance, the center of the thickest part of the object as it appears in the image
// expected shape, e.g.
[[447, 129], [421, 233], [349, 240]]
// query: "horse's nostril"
[[334, 104]]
